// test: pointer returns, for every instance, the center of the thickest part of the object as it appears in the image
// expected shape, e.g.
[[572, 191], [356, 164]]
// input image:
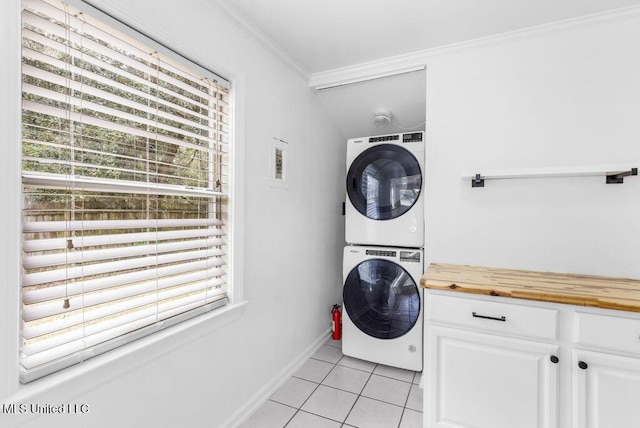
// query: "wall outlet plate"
[[278, 163]]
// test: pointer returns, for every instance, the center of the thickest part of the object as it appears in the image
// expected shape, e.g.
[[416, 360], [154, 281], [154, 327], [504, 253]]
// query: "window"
[[126, 177]]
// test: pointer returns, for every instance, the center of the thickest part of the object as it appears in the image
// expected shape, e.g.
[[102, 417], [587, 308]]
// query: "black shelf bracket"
[[618, 177], [477, 181]]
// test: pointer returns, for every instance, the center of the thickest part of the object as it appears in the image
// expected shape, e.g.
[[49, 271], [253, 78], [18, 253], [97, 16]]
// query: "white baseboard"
[[260, 397]]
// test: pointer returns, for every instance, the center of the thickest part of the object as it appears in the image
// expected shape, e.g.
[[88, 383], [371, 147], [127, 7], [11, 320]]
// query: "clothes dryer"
[[384, 187], [382, 306]]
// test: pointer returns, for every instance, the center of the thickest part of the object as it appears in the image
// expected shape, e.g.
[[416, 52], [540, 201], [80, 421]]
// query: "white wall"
[[292, 241], [561, 98]]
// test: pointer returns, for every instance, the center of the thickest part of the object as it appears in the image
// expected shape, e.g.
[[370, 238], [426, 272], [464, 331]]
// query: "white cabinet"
[[606, 390], [493, 362], [606, 370], [485, 381]]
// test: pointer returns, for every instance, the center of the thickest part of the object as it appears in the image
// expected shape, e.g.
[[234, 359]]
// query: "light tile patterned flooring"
[[332, 390]]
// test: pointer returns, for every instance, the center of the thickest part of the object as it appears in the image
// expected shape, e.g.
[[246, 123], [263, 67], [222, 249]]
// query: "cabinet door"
[[606, 390], [484, 381]]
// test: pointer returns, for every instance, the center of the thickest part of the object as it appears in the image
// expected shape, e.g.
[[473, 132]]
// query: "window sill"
[[74, 381]]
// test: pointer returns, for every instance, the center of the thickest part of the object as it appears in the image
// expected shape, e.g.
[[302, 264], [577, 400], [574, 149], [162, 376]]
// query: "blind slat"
[[133, 153], [75, 257], [80, 287], [61, 226], [147, 180], [83, 183], [121, 238], [72, 272]]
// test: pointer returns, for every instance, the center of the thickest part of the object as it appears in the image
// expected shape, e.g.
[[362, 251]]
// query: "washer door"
[[381, 299], [384, 182]]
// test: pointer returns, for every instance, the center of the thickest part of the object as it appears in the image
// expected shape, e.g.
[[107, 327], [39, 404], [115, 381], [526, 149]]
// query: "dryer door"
[[381, 299], [384, 182]]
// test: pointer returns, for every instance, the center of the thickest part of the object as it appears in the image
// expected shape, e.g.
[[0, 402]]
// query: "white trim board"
[[357, 74], [415, 60], [10, 173]]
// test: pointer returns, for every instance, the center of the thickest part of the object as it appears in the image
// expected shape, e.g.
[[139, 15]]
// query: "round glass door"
[[384, 182], [381, 299]]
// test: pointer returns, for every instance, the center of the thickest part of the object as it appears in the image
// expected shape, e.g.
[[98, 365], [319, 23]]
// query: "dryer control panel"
[[410, 256], [413, 137]]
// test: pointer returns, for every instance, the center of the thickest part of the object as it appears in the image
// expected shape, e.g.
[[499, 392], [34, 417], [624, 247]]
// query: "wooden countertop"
[[581, 290]]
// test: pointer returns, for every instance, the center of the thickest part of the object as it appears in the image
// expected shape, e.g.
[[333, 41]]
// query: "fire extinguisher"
[[337, 324]]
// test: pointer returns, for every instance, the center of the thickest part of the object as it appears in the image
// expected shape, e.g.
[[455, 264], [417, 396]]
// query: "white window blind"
[[126, 159]]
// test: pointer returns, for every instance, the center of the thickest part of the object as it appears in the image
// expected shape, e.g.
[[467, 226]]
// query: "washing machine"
[[384, 204], [382, 318]]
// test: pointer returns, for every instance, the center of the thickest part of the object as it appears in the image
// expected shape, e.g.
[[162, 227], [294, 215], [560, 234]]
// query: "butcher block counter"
[[580, 290]]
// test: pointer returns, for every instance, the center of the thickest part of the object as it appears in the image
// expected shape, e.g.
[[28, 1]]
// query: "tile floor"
[[334, 390]]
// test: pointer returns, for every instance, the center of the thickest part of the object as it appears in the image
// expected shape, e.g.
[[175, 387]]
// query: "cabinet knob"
[[554, 359], [582, 365]]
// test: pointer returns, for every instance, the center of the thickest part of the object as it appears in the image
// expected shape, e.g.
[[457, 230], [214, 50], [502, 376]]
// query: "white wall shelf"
[[614, 173]]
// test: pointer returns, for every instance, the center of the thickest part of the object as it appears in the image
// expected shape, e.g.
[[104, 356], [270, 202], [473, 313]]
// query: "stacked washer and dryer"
[[383, 261]]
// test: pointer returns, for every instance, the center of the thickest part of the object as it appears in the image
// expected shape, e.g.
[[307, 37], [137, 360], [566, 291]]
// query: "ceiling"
[[328, 34], [320, 36], [352, 107]]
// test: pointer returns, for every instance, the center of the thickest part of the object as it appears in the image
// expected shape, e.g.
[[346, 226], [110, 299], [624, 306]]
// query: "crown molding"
[[368, 71], [417, 60], [242, 22]]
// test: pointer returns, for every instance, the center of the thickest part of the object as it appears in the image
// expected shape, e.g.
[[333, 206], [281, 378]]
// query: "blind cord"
[[67, 215]]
